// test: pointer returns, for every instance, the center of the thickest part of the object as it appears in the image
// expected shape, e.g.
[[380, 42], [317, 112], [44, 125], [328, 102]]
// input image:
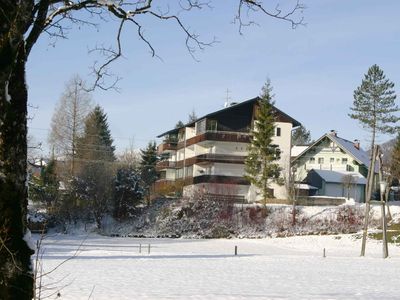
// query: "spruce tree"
[[96, 143], [261, 163], [95, 152], [148, 167]]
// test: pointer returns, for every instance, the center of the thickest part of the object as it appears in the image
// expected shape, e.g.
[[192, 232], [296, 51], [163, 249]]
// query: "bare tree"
[[348, 182], [22, 23], [68, 121]]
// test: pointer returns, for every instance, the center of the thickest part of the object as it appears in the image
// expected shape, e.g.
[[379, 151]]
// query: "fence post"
[[148, 249], [140, 248], [235, 250], [324, 254]]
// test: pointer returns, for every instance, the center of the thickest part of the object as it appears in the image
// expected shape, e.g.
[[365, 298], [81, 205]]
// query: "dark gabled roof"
[[281, 114], [359, 155]]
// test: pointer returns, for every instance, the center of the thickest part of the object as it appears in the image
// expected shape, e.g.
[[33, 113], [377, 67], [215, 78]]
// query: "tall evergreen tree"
[[374, 104], [96, 142], [148, 167], [261, 163], [374, 107], [395, 160], [93, 185], [301, 136]]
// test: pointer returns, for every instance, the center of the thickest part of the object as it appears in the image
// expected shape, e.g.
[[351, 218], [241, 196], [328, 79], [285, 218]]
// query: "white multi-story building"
[[208, 155]]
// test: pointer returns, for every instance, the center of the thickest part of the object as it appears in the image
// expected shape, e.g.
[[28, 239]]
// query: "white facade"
[[213, 159]]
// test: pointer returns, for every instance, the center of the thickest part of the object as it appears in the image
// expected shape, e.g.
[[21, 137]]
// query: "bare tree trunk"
[[16, 277], [368, 193]]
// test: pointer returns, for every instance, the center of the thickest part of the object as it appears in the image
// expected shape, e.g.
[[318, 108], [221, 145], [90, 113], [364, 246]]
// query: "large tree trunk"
[[16, 279]]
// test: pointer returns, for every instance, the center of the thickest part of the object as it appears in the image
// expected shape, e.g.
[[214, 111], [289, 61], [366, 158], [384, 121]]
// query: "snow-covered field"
[[273, 268]]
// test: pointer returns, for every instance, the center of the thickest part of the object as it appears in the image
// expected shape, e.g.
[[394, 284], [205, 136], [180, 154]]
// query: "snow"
[[28, 240], [8, 97], [271, 268]]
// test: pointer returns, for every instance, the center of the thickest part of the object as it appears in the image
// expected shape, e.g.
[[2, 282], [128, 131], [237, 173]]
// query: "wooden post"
[[148, 250], [324, 254], [140, 248], [235, 250]]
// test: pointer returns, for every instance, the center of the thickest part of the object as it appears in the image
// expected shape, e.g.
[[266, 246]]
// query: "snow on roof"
[[304, 186], [296, 150], [337, 176]]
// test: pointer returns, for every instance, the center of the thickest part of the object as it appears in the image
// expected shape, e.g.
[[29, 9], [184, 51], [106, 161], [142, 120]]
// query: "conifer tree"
[[301, 136], [96, 143], [148, 167], [95, 151], [374, 107], [128, 192], [261, 163], [395, 160], [374, 104]]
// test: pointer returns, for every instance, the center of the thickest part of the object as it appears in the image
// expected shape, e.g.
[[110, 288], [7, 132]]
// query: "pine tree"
[[260, 165], [301, 136], [395, 160], [374, 104], [374, 107], [148, 167]]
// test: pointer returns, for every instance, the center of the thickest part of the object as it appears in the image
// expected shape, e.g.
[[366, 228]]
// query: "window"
[[332, 160], [179, 173], [211, 125], [312, 160], [278, 131], [344, 161], [321, 160]]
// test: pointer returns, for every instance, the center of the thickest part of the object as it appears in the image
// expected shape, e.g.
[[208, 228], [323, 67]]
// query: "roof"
[[296, 150], [232, 107], [304, 186], [337, 176], [360, 155]]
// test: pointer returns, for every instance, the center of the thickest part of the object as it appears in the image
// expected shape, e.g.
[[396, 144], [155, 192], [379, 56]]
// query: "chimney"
[[333, 132], [356, 144]]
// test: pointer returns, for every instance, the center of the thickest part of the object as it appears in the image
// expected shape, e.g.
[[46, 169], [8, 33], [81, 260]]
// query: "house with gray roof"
[[336, 166]]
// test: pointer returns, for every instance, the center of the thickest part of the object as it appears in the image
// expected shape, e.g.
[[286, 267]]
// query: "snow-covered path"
[[285, 268]]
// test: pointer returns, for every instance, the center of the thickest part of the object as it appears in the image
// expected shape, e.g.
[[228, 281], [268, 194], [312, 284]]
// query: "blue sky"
[[313, 69]]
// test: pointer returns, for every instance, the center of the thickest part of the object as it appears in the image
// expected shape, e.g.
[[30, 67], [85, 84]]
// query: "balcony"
[[167, 146], [208, 158], [223, 136], [165, 164]]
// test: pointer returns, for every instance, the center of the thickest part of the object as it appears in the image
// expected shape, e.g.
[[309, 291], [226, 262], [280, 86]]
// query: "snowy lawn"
[[113, 268]]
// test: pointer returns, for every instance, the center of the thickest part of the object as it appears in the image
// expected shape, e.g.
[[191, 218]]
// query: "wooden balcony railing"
[[165, 146], [211, 158], [165, 164], [223, 136]]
